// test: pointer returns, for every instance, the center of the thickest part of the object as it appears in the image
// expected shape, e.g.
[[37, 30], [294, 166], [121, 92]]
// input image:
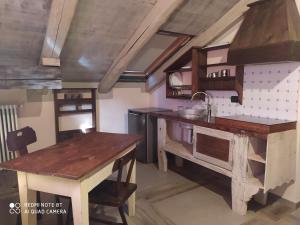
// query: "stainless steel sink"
[[192, 114]]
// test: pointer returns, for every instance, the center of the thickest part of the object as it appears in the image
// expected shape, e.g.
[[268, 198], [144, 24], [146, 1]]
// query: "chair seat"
[[105, 193]]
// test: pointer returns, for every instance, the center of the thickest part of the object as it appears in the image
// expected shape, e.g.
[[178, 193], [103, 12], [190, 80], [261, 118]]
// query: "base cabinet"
[[252, 163]]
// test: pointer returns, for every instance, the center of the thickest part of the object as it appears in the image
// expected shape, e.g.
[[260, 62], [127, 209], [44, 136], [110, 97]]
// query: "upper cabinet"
[[201, 69]]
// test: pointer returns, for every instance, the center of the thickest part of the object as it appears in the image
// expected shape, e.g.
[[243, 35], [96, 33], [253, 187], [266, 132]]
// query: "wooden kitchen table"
[[71, 168]]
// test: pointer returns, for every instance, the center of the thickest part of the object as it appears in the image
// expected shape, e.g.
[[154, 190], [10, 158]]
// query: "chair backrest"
[[119, 165], [18, 140]]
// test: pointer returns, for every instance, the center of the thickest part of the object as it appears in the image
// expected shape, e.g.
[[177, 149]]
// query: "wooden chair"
[[17, 142], [115, 193]]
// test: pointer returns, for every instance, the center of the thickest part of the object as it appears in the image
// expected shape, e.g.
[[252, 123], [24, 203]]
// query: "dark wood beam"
[[166, 54], [158, 15], [173, 34], [30, 77], [134, 72], [134, 79]]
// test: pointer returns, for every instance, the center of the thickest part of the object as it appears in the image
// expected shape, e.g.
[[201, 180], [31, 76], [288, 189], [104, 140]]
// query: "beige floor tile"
[[257, 221], [171, 199], [289, 220], [276, 211], [297, 213], [199, 206]]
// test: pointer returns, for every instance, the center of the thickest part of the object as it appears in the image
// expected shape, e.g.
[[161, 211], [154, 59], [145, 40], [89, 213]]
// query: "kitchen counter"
[[245, 148], [255, 126]]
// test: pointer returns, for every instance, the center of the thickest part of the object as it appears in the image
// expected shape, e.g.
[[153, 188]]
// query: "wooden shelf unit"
[[257, 151], [216, 65], [198, 58], [257, 157], [85, 96], [219, 83], [229, 83], [180, 65], [80, 101]]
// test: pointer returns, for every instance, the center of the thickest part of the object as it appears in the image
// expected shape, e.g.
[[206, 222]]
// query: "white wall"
[[36, 109], [38, 112], [115, 104]]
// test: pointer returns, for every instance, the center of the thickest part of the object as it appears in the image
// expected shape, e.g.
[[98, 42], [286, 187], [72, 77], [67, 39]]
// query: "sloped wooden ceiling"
[[150, 52], [99, 31], [23, 25], [195, 16]]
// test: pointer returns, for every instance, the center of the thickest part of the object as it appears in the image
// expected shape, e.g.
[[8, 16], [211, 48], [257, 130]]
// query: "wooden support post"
[[240, 192], [161, 139]]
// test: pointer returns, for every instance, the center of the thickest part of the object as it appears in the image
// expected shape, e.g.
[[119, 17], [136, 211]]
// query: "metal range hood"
[[270, 32]]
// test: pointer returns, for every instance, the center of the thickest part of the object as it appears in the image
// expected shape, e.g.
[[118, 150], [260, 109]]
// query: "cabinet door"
[[213, 146]]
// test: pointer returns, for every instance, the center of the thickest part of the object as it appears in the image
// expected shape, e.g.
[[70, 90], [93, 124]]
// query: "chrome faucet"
[[208, 103]]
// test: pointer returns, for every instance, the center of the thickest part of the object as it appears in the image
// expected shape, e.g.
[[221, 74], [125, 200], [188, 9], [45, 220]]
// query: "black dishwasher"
[[142, 123]]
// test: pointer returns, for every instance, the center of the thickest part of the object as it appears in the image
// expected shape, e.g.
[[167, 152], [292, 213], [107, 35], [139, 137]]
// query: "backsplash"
[[269, 91]]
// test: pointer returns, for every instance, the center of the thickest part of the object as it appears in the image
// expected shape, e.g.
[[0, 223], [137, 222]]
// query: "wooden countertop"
[[76, 157], [256, 126]]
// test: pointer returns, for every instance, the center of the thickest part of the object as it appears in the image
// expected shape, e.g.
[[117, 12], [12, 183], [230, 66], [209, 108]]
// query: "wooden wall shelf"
[[181, 70], [81, 101], [217, 84], [182, 87], [216, 64], [61, 113], [217, 47], [181, 96], [198, 58], [85, 96]]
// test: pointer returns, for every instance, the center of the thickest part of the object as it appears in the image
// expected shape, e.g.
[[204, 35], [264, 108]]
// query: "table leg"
[[131, 200], [26, 196], [80, 206]]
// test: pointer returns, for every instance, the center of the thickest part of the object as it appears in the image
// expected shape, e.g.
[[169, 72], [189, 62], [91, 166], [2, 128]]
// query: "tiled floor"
[[171, 199]]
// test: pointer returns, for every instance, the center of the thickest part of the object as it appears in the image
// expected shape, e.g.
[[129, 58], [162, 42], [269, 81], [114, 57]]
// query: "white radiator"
[[8, 122]]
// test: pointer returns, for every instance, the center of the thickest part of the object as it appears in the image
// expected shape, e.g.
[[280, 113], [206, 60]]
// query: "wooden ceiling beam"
[[60, 18], [30, 77], [173, 34], [208, 36], [166, 54], [159, 14], [134, 72]]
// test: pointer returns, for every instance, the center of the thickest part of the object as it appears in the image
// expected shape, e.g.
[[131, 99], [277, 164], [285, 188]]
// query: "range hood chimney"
[[270, 32]]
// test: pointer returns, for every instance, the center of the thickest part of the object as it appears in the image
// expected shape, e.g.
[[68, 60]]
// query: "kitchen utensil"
[[176, 79], [214, 74], [225, 72]]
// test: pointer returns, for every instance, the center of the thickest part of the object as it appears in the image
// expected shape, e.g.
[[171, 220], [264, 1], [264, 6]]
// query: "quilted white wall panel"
[[269, 91]]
